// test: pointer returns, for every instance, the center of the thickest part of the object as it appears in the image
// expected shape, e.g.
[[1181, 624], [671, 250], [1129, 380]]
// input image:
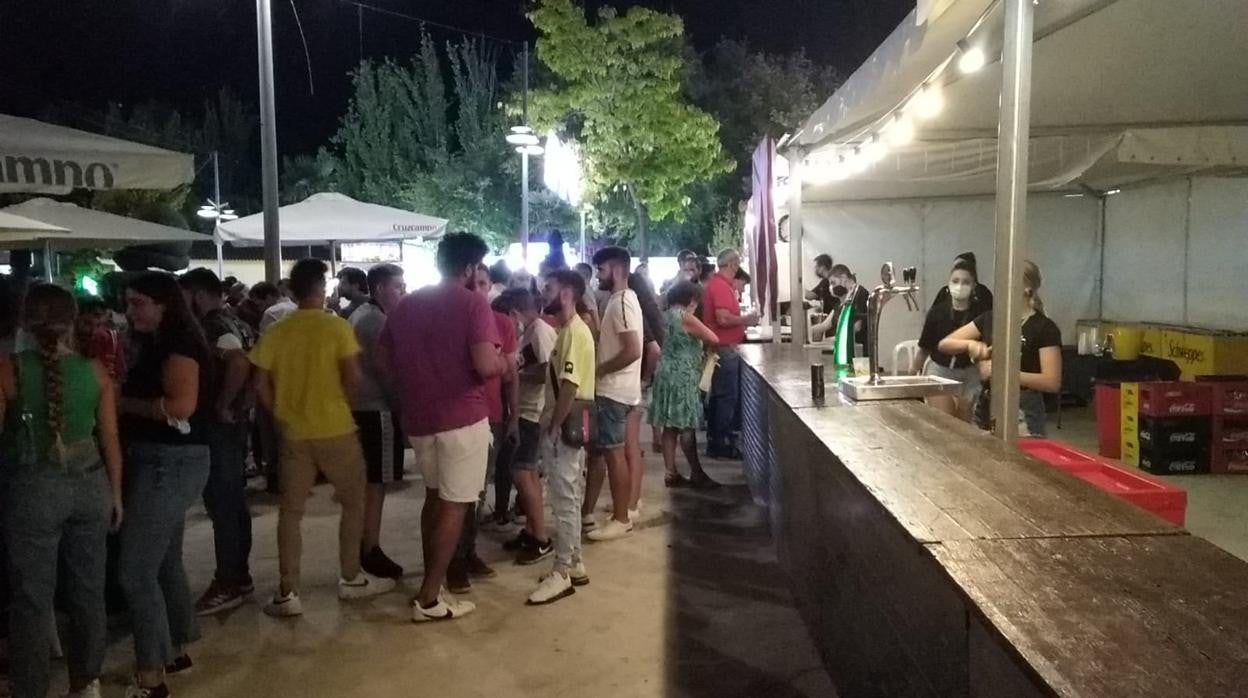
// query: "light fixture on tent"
[[971, 59], [928, 103], [874, 150], [900, 130]]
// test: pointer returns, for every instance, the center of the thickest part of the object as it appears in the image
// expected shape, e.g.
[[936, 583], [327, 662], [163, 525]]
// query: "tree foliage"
[[616, 85], [420, 138]]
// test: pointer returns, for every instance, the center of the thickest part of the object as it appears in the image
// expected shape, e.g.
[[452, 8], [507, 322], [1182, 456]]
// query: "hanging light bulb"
[[929, 101], [900, 130], [972, 58], [874, 150]]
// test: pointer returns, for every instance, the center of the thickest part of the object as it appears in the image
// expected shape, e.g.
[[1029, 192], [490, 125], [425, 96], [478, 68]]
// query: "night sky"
[[183, 51]]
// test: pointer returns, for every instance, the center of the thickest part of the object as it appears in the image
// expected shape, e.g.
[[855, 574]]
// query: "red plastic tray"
[[1161, 498]]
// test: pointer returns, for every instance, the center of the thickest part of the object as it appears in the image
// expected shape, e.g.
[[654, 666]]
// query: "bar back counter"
[[929, 559]]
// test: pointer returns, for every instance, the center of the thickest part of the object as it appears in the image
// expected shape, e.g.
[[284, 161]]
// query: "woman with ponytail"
[[1041, 363], [164, 420], [61, 488]]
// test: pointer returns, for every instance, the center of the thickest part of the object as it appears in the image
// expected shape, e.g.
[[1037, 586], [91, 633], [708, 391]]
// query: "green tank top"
[[26, 418]]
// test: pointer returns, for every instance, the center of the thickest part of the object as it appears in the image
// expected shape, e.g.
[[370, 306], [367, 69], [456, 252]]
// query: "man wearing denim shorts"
[[618, 384], [441, 344], [571, 380]]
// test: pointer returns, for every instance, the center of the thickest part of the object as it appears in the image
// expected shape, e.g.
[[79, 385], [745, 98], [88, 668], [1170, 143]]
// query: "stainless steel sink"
[[861, 389]]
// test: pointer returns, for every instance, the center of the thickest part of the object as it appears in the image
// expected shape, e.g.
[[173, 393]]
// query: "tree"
[[417, 138], [616, 84]]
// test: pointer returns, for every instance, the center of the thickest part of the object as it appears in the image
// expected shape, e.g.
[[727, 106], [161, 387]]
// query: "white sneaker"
[[284, 606], [91, 690], [578, 575], [611, 531], [447, 608], [588, 523], [363, 586], [634, 515], [553, 587]]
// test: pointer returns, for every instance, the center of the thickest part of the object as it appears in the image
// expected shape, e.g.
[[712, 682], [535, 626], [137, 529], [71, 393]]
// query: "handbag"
[[708, 372], [580, 428]]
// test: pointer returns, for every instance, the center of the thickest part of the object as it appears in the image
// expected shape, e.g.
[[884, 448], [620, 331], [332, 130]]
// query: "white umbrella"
[[14, 224], [90, 228], [50, 159], [326, 218]]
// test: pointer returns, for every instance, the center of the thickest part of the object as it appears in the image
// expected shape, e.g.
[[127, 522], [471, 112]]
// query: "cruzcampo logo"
[[24, 169]]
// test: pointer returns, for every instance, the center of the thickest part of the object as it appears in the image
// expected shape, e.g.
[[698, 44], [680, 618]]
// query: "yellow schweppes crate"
[[1129, 399], [1204, 353]]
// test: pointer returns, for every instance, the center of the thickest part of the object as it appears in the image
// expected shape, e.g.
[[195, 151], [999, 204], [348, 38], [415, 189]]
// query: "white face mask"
[[959, 292]]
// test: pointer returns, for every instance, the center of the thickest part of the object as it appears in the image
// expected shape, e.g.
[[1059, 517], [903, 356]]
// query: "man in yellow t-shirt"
[[572, 370], [307, 365]]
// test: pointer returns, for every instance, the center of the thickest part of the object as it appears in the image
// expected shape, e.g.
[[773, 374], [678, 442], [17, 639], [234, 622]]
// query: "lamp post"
[[218, 211], [268, 142], [527, 143]]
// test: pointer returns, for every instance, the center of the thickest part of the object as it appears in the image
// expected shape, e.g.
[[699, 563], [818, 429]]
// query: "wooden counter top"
[[1108, 617], [786, 370], [943, 479]]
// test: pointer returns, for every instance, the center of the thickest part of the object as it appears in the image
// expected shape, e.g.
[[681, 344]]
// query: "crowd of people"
[[115, 425]]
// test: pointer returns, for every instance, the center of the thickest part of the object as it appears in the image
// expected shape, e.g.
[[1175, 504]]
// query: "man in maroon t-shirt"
[[721, 312], [440, 345], [499, 391]]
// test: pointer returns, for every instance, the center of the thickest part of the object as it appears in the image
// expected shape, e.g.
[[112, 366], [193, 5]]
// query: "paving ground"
[[691, 605]]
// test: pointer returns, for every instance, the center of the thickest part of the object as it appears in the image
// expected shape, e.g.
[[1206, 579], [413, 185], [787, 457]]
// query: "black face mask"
[[840, 291]]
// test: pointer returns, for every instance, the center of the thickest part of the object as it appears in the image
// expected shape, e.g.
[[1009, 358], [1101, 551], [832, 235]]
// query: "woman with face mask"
[[1040, 366], [941, 321], [981, 297]]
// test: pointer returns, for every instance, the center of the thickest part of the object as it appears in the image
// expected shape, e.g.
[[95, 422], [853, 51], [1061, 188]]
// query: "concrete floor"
[[692, 604], [1217, 505]]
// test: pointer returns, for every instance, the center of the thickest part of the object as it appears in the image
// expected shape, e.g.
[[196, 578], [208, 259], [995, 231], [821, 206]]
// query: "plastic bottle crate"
[[1175, 399], [1175, 445]]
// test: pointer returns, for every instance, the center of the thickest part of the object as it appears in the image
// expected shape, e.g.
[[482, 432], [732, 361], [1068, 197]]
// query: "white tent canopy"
[[48, 159], [14, 224], [1123, 91], [89, 228], [328, 217]]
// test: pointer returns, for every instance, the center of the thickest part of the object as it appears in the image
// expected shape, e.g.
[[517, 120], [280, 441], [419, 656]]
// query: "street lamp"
[[217, 210]]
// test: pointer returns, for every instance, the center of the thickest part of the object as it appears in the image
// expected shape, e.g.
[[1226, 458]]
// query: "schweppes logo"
[[1176, 350], [24, 169]]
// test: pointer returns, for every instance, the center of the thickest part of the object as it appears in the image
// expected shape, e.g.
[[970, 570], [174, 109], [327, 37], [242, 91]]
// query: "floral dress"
[[676, 401]]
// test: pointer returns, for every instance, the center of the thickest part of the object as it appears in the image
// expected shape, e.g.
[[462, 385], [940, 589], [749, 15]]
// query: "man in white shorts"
[[440, 344]]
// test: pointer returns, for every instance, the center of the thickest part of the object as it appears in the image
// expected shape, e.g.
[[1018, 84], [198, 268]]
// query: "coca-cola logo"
[[1183, 437], [1183, 408]]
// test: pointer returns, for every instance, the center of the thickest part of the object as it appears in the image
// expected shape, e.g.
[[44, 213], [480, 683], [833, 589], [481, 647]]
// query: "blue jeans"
[[723, 416], [52, 515], [225, 498], [161, 483]]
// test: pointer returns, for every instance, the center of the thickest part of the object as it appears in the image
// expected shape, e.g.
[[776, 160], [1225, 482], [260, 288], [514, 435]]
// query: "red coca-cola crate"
[[1230, 445], [1176, 399], [1230, 398], [1161, 498]]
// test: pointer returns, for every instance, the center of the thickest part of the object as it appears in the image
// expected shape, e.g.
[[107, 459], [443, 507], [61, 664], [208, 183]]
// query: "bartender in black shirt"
[[848, 294], [960, 308], [822, 293]]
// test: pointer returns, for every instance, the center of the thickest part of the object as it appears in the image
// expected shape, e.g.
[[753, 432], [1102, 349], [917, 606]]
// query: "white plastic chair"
[[910, 348]]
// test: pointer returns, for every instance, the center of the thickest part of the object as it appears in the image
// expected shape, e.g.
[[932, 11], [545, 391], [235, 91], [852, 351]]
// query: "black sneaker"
[[518, 543], [180, 666], [457, 581], [535, 551], [137, 691], [478, 568], [378, 564]]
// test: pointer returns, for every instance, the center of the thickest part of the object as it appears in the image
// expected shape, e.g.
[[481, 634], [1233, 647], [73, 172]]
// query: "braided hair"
[[48, 315]]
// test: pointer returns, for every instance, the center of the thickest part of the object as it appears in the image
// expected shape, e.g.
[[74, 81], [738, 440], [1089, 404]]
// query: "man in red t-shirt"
[[721, 312], [440, 344]]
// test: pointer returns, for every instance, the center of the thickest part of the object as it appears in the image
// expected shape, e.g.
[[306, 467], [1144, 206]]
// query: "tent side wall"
[[1062, 232], [1175, 253]]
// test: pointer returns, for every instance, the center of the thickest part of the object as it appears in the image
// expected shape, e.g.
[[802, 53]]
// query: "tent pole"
[[47, 261], [1011, 234], [333, 258], [220, 256], [797, 292], [268, 142]]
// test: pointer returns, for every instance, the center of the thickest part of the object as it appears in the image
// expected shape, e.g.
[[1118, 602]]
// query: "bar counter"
[[929, 559]]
